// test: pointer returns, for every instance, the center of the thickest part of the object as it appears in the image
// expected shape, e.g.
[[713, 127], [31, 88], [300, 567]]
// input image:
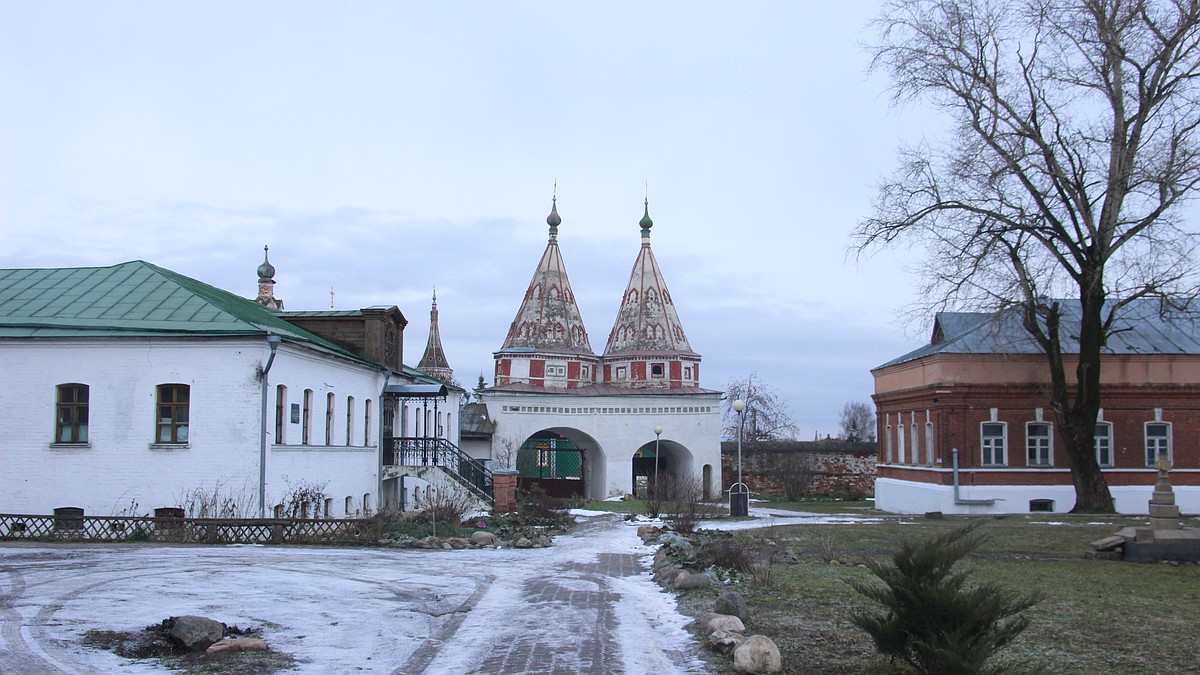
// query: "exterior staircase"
[[463, 469]]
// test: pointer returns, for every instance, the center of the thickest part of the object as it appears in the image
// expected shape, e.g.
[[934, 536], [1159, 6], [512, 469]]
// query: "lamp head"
[[739, 405], [657, 431]]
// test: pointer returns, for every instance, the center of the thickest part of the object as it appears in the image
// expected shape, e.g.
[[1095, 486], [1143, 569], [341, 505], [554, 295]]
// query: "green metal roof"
[[134, 298]]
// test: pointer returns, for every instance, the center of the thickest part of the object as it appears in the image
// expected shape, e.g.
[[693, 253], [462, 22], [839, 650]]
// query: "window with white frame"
[[656, 370], [900, 455], [1038, 444], [556, 371], [349, 420], [887, 442], [992, 443], [929, 443], [1103, 441], [1158, 441]]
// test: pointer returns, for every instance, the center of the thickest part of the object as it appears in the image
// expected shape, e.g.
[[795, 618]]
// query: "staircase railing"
[[461, 467]]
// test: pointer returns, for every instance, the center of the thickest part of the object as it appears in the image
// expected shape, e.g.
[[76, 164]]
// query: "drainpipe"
[[966, 502], [273, 343], [379, 501]]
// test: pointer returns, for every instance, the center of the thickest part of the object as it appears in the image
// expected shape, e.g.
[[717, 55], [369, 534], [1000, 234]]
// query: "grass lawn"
[[1097, 616]]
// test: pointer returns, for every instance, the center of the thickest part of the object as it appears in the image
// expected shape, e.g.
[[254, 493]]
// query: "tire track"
[[15, 655], [429, 649]]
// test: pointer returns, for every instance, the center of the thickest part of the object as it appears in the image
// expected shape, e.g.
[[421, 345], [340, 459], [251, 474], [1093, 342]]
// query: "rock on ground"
[[195, 633], [731, 603], [757, 654], [713, 622], [237, 645]]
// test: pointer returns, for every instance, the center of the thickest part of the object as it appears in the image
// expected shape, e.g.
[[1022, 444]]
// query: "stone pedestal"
[[1164, 513]]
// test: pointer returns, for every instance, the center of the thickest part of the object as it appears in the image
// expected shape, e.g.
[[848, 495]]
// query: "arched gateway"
[[578, 424]]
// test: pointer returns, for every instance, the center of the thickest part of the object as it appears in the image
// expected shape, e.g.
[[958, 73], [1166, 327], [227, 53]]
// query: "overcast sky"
[[385, 148]]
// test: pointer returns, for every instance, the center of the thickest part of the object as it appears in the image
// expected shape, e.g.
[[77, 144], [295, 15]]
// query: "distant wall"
[[839, 468]]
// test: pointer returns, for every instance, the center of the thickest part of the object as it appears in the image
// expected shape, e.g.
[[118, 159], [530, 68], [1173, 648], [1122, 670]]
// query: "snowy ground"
[[584, 605]]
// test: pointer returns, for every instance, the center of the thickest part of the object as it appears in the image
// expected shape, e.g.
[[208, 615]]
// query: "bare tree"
[[766, 416], [1074, 149], [857, 421]]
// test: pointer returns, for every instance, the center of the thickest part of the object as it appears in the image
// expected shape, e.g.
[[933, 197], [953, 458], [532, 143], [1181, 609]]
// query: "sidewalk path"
[[584, 605]]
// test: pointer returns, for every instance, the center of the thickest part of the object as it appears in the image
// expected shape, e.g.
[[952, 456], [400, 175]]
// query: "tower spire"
[[647, 326], [433, 361]]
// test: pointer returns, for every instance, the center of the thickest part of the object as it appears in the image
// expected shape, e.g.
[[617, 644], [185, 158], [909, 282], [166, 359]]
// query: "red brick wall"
[[842, 467]]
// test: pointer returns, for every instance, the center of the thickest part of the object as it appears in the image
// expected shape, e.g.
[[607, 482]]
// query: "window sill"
[[170, 446], [71, 446]]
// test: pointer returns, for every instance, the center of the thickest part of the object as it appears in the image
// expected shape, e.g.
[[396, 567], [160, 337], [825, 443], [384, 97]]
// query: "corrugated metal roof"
[[135, 298], [1144, 326]]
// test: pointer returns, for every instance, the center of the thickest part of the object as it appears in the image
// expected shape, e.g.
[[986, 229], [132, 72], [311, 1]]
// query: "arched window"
[[280, 414], [349, 419], [329, 419], [306, 421], [367, 423]]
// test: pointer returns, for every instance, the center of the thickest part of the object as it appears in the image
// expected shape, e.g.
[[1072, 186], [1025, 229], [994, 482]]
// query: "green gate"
[[552, 462]]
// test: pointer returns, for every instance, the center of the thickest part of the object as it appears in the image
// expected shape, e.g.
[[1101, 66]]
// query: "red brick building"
[[978, 395]]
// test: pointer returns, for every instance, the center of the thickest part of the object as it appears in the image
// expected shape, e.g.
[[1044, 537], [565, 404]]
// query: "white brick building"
[[131, 387]]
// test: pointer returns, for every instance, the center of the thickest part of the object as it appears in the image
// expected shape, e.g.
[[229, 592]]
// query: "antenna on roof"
[[331, 297]]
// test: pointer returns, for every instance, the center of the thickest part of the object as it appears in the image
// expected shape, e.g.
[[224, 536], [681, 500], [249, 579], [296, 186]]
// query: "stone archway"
[[563, 462], [673, 460]]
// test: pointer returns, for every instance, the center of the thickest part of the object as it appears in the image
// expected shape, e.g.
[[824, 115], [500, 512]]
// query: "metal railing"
[[439, 452]]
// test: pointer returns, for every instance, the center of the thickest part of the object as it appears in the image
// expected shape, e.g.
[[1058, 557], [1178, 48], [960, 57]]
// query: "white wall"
[[120, 470], [899, 496], [616, 430]]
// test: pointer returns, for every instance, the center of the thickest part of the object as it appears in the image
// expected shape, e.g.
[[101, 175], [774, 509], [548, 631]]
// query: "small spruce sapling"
[[933, 620]]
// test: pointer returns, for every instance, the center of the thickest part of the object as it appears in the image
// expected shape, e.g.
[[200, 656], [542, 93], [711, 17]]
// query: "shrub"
[[933, 621]]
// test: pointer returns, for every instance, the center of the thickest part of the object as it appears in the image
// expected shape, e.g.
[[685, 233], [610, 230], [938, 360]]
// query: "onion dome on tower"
[[547, 344], [647, 346], [433, 361], [266, 284]]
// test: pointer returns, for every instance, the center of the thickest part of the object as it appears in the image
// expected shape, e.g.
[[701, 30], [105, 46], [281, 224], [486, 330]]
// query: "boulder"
[[687, 581], [195, 633], [757, 654], [731, 603], [666, 574], [724, 641], [458, 543], [237, 645], [522, 543], [713, 622], [483, 538]]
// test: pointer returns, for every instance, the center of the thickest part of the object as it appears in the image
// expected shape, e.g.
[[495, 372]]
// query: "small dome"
[[266, 271], [553, 220], [645, 222]]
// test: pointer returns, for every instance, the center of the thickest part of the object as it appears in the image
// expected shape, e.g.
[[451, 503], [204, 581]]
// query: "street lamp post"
[[739, 493], [657, 436]]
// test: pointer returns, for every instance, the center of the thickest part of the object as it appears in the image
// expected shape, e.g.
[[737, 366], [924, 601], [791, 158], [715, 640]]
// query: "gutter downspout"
[[966, 502], [273, 343], [379, 500]]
